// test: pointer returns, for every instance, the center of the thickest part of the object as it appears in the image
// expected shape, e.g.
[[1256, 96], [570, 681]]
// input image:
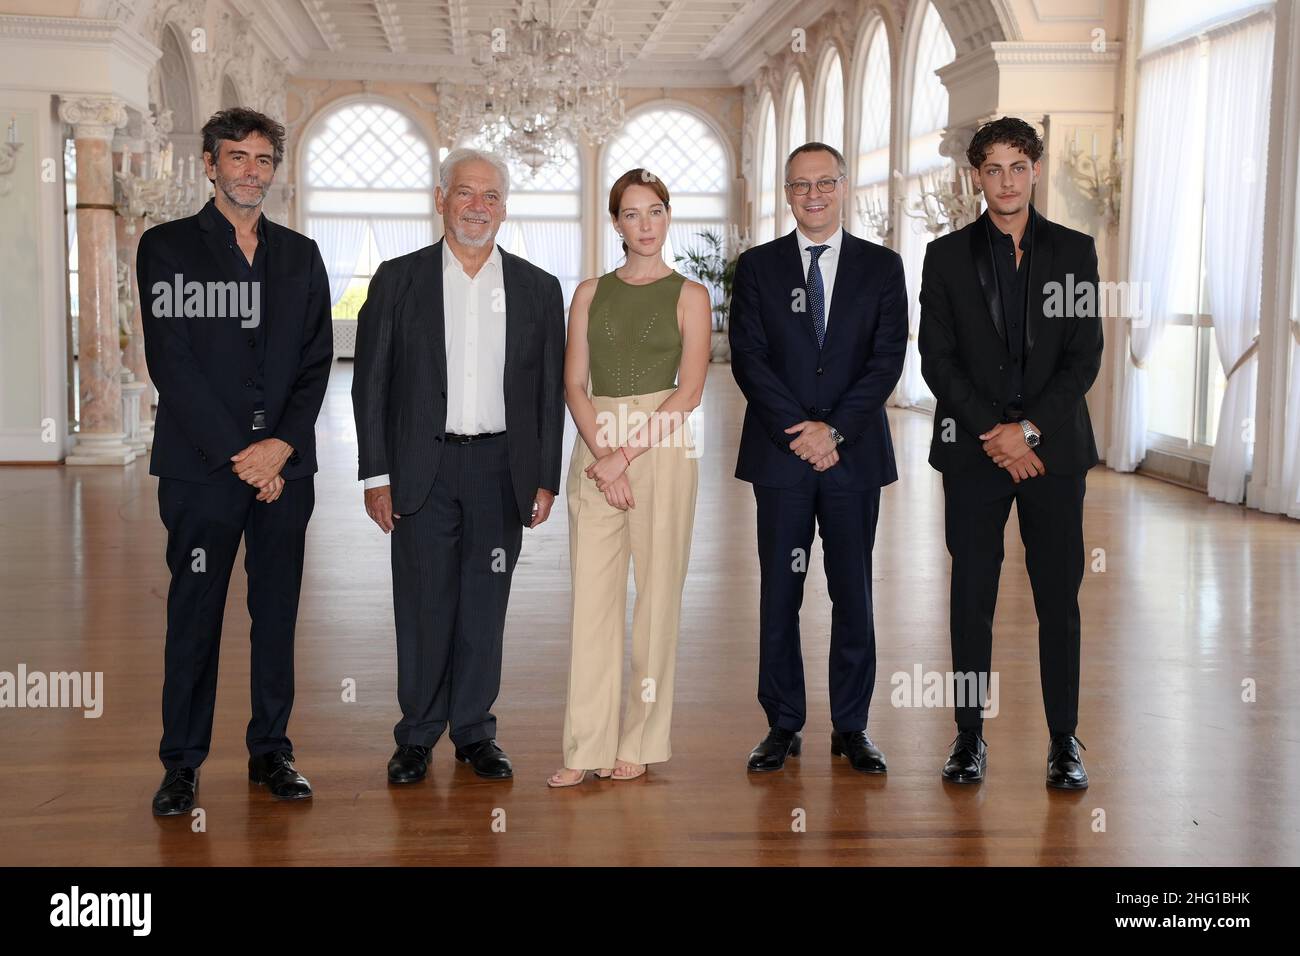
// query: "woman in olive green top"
[[640, 337]]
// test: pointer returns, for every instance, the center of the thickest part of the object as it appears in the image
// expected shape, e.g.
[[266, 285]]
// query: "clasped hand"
[[260, 465], [609, 472], [814, 444], [1006, 445]]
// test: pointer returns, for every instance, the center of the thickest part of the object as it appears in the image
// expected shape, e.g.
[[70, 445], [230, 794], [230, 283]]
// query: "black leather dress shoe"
[[276, 771], [968, 758], [409, 763], [176, 793], [776, 746], [488, 760], [864, 756], [1065, 763]]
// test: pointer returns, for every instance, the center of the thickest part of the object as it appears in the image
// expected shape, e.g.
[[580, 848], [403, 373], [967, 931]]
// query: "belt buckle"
[[259, 419]]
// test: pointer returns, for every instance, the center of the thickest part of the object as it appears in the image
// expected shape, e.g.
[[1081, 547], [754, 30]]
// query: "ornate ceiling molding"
[[1004, 55], [428, 69], [64, 31]]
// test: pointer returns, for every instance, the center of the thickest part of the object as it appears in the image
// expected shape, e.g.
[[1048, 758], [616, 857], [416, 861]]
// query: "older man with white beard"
[[459, 402]]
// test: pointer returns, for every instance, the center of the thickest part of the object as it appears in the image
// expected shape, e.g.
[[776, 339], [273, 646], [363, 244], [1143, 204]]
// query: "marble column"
[[99, 439], [128, 243]]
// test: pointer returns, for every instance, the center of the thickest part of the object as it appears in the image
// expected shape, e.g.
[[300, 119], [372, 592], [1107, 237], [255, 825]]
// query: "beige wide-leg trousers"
[[656, 536]]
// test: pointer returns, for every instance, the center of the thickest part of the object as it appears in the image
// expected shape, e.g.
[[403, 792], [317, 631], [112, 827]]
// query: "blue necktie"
[[817, 294]]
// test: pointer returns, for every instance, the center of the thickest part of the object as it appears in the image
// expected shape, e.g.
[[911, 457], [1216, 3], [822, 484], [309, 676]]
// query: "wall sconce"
[[9, 155], [874, 214], [1100, 184]]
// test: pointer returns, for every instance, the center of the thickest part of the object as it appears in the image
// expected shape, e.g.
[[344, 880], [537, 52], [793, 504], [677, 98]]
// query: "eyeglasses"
[[800, 187]]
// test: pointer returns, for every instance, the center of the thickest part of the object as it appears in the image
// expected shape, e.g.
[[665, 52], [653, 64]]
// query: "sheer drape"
[[613, 248], [1291, 455], [911, 387], [1164, 224], [508, 238], [340, 240], [556, 246], [397, 237], [685, 237], [1240, 63]]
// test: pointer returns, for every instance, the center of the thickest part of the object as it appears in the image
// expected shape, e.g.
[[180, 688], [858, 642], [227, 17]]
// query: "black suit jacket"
[[787, 379], [399, 389], [964, 355], [200, 364]]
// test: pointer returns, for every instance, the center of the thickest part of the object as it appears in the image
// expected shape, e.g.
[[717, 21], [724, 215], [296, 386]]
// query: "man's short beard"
[[472, 243], [226, 188]]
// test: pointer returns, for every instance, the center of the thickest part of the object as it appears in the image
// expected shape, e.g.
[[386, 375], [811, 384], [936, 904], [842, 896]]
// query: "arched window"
[[767, 191], [928, 117], [543, 216], [873, 124], [229, 94], [683, 151], [929, 97], [174, 88], [796, 134], [1202, 120], [367, 195], [833, 103]]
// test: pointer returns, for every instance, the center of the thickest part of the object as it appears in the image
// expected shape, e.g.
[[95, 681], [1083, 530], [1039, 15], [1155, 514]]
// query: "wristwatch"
[[836, 436], [1032, 438]]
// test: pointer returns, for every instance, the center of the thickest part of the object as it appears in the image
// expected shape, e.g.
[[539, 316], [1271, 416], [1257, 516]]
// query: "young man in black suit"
[[239, 344], [818, 335], [1009, 363]]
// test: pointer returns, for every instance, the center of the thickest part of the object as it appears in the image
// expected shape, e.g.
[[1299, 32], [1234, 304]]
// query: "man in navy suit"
[[818, 336]]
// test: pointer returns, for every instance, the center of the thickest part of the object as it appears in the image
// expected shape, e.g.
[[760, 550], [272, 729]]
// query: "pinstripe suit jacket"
[[399, 386]]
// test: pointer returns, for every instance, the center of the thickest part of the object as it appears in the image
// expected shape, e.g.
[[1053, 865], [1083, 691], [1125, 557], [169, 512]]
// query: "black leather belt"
[[469, 439]]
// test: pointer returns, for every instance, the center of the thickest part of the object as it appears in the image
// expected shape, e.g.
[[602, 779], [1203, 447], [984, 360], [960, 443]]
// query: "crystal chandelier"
[[159, 191], [538, 85]]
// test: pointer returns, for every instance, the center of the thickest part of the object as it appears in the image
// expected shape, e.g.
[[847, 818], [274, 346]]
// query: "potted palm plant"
[[715, 266]]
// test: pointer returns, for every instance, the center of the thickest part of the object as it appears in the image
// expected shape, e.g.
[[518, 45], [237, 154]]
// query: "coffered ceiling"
[[665, 42]]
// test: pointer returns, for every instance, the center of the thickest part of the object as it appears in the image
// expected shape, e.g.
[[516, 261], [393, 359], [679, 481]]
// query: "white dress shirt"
[[474, 333], [828, 261]]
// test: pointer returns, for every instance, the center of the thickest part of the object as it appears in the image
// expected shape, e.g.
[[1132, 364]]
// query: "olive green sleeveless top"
[[632, 334]]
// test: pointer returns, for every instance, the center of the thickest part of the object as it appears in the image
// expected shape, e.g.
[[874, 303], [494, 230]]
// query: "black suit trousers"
[[453, 560], [977, 503], [205, 524], [846, 521]]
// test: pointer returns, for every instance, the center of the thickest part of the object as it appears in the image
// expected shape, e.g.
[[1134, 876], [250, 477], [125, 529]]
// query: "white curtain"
[[340, 240], [1291, 455], [556, 246], [397, 237], [1169, 124], [1290, 503], [685, 237], [911, 387], [1240, 64], [613, 257], [509, 238]]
